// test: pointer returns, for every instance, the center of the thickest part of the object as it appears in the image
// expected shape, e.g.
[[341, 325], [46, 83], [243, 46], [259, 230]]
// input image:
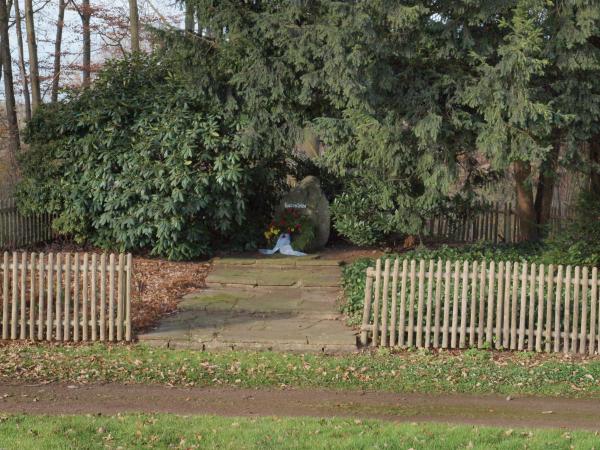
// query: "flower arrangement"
[[299, 226]]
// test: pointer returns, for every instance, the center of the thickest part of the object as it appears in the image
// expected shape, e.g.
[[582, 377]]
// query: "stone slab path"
[[272, 303]]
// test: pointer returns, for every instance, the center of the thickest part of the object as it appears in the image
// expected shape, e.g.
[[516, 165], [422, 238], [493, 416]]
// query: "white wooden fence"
[[492, 222], [18, 230], [502, 305], [66, 297]]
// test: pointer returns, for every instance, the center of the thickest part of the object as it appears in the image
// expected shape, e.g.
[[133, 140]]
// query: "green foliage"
[[353, 284], [579, 242], [403, 97], [145, 159], [361, 213], [302, 240]]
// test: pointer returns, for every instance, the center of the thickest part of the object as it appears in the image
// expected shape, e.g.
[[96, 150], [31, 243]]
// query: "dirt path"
[[479, 410]]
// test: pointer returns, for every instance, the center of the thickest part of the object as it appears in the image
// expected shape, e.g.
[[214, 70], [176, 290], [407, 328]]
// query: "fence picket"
[[111, 299], [76, 281], [506, 312], [557, 308], [523, 307], [15, 305], [59, 297], [94, 298], [411, 305], [18, 230], [438, 300], [49, 296], [584, 311], [5, 296], [575, 326], [530, 315], [84, 305], [540, 309], [40, 297], [531, 321], [384, 305], [567, 318], [594, 310], [22, 308], [429, 304], [513, 306], [463, 306], [454, 329], [67, 315], [101, 302], [128, 281], [393, 316], [496, 221], [445, 328], [375, 305], [420, 304], [482, 279], [473, 308], [490, 303], [549, 296], [499, 304], [41, 279], [32, 299], [401, 325]]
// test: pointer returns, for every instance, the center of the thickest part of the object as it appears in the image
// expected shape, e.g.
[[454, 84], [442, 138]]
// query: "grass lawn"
[[477, 372], [171, 431]]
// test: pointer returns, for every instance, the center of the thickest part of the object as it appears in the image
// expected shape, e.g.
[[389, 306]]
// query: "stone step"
[[277, 261], [309, 276], [299, 301]]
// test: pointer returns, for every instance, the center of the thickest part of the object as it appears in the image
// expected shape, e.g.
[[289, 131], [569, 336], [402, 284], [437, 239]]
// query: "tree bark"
[[546, 182], [134, 25], [34, 72], [86, 14], [9, 93], [189, 17], [525, 204], [57, 50], [9, 7], [23, 72]]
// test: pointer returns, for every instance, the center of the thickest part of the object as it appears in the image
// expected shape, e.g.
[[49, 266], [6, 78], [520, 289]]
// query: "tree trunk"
[[595, 164], [546, 182], [57, 49], [525, 205], [36, 95], [134, 24], [22, 70], [9, 93], [86, 14], [9, 7], [189, 17]]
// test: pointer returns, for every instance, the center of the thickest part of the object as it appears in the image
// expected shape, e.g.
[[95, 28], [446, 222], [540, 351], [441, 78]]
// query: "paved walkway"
[[277, 303]]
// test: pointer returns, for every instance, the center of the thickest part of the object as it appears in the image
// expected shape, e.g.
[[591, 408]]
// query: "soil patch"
[[464, 409]]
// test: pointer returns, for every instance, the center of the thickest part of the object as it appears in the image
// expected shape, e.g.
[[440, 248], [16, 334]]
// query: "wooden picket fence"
[[19, 230], [502, 305], [492, 222], [66, 297]]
